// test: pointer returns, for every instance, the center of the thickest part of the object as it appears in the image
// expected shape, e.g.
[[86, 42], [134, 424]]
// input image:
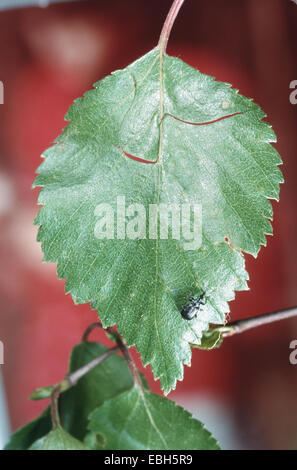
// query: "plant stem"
[[169, 22], [243, 325], [71, 379]]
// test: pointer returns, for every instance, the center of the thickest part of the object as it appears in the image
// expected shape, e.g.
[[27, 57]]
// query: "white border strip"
[[4, 420], [8, 4]]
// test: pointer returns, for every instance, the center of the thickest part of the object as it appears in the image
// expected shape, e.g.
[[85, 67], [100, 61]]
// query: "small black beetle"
[[190, 311]]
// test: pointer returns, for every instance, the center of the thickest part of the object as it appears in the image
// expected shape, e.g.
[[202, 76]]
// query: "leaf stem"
[[89, 330], [121, 344], [71, 379], [243, 325], [169, 22], [131, 364], [54, 407]]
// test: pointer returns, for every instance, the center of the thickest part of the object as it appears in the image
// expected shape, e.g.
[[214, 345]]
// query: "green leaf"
[[211, 339], [143, 420], [149, 111], [24, 437], [42, 393], [58, 439], [107, 380]]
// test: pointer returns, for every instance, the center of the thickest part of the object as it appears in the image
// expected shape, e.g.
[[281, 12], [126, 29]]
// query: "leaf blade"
[[145, 421], [58, 439], [229, 167]]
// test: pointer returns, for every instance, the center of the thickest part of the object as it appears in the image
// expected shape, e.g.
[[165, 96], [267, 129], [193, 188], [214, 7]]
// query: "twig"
[[243, 325], [74, 377], [169, 22], [71, 379]]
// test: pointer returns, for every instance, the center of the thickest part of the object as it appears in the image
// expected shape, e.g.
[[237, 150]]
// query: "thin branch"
[[74, 377], [243, 325], [71, 379], [169, 22]]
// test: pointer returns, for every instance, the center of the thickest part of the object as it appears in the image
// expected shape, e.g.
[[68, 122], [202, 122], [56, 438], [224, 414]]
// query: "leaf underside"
[[159, 110]]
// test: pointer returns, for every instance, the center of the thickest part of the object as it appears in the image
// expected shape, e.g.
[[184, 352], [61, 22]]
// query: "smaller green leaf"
[[211, 339], [46, 392], [23, 438], [58, 439], [42, 393], [141, 420]]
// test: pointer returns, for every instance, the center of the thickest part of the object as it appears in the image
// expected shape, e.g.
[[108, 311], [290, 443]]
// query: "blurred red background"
[[50, 56]]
